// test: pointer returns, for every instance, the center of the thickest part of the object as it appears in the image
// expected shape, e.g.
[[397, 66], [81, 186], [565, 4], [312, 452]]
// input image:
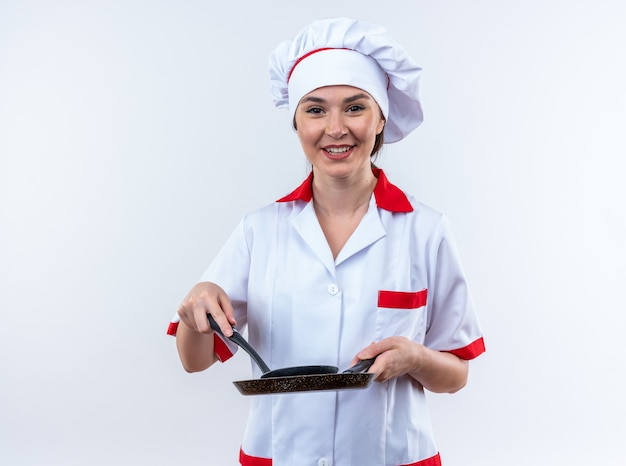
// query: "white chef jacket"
[[398, 274]]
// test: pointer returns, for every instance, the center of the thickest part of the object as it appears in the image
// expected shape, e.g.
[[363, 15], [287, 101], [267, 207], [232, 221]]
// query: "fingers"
[[367, 353], [222, 311], [207, 298], [395, 356], [374, 349]]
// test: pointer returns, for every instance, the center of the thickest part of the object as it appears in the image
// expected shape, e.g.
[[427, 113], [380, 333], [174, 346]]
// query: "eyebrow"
[[347, 100]]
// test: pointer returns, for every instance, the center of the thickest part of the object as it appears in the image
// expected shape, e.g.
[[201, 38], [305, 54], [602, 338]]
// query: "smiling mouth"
[[337, 150]]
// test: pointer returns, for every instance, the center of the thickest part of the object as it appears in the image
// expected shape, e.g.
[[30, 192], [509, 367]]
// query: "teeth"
[[337, 150]]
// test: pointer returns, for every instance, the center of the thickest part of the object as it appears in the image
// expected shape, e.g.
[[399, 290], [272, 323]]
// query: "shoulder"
[[424, 225], [425, 212], [271, 213], [396, 200], [423, 215]]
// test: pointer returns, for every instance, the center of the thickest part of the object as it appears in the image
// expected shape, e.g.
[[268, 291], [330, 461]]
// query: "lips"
[[338, 152]]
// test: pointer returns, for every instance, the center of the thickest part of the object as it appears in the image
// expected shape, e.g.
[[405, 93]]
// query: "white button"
[[333, 290], [323, 462]]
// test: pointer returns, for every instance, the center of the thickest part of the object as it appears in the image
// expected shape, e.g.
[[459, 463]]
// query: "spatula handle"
[[241, 342], [361, 366]]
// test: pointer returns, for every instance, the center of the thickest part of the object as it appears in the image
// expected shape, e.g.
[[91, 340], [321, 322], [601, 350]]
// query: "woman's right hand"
[[207, 298]]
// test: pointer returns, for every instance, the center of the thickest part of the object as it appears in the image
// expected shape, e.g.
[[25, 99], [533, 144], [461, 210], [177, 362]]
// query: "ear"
[[381, 125]]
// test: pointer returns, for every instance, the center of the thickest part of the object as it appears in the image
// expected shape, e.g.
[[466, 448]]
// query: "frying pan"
[[297, 378]]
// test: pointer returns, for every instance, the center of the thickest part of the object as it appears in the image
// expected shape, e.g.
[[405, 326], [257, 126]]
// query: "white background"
[[135, 134]]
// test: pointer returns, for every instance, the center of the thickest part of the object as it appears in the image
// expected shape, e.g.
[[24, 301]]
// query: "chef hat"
[[344, 51]]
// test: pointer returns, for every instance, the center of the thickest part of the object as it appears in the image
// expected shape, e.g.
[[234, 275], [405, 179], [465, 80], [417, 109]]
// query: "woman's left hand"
[[436, 370], [395, 356]]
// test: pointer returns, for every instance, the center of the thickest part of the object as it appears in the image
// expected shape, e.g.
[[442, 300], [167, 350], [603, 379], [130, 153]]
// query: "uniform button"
[[323, 462], [332, 290]]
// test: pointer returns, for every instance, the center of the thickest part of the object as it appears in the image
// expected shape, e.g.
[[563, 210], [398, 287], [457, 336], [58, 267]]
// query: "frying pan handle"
[[241, 342], [361, 366]]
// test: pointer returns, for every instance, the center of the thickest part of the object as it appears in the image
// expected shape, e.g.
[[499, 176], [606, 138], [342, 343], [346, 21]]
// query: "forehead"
[[337, 92]]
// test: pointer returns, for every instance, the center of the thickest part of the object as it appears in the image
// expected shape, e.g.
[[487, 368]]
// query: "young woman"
[[346, 267]]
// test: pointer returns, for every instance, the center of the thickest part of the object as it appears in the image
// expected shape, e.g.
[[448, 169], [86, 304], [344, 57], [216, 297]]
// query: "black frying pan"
[[297, 378]]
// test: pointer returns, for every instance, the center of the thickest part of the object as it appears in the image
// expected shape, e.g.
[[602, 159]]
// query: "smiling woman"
[[352, 106], [344, 260], [337, 127]]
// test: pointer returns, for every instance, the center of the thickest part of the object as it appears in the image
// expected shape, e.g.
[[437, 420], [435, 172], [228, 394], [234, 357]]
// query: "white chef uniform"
[[398, 274]]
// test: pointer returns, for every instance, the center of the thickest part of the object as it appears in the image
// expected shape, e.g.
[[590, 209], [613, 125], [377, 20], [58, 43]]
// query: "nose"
[[335, 125]]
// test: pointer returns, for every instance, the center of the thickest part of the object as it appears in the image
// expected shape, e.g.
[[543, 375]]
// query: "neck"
[[343, 196]]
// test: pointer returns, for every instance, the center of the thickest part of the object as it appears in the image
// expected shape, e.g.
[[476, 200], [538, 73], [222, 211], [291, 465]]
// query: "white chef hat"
[[345, 51]]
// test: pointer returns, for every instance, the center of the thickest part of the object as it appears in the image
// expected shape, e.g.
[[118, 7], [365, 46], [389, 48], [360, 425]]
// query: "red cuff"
[[172, 328], [246, 460], [222, 351], [432, 461], [470, 351]]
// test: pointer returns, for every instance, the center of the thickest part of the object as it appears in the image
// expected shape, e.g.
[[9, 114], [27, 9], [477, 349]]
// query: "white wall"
[[135, 134]]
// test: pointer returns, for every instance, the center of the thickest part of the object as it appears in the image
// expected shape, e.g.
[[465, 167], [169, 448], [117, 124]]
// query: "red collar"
[[387, 195]]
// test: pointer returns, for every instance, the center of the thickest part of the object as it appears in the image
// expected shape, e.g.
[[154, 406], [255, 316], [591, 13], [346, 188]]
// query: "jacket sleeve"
[[229, 269], [453, 324]]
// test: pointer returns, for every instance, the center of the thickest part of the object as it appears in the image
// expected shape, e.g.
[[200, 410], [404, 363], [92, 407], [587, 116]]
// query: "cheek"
[[380, 126], [302, 134], [308, 133], [306, 138]]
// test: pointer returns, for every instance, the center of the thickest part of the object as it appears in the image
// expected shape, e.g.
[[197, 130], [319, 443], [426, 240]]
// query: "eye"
[[314, 110], [355, 108]]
